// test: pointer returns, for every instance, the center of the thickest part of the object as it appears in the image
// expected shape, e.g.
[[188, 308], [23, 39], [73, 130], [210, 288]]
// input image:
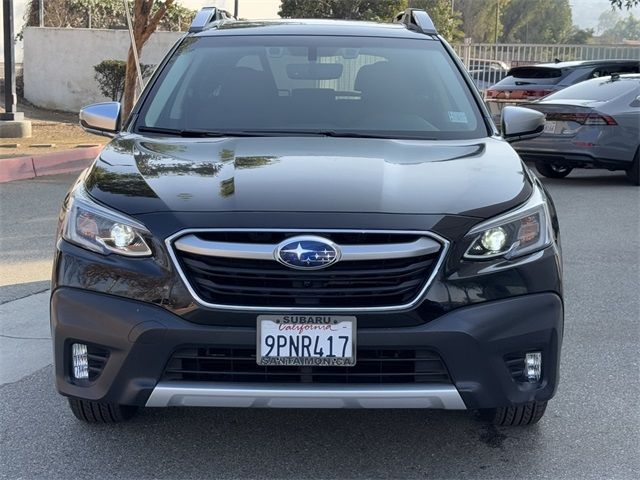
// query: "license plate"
[[306, 340], [550, 127]]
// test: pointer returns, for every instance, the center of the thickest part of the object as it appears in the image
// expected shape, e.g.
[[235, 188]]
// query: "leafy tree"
[[110, 77], [100, 14], [544, 21], [607, 20], [619, 4], [479, 18], [375, 10], [625, 29], [580, 36], [447, 21]]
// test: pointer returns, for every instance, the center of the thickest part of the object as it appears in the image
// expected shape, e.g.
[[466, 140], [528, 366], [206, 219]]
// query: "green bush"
[[110, 76]]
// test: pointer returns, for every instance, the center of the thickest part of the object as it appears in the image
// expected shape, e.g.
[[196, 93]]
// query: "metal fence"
[[489, 63], [528, 54]]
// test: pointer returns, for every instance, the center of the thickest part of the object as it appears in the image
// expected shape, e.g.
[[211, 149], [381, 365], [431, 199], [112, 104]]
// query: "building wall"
[[58, 71]]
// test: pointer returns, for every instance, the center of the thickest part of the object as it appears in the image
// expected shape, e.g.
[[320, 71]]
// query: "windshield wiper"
[[352, 134], [275, 133], [200, 133]]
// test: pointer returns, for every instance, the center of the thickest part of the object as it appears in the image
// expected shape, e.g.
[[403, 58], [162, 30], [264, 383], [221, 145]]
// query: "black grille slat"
[[272, 237], [224, 289], [97, 358], [368, 283], [372, 366], [227, 270], [515, 364]]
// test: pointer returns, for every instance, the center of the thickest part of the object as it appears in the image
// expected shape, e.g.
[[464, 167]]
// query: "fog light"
[[533, 366], [80, 360]]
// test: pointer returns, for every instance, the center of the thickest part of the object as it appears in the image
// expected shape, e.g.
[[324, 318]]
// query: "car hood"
[[138, 175]]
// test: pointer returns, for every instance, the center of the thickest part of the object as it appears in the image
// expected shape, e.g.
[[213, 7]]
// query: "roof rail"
[[206, 18], [417, 20]]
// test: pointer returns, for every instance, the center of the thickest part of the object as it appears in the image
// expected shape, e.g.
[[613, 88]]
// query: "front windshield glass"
[[388, 87]]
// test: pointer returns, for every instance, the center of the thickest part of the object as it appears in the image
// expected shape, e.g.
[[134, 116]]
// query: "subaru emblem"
[[307, 252]]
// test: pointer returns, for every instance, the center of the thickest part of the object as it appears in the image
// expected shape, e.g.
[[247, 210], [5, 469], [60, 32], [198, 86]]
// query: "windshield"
[[387, 87]]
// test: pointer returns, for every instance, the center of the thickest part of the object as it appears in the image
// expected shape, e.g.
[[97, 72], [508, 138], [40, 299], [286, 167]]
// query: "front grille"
[[266, 283], [238, 364]]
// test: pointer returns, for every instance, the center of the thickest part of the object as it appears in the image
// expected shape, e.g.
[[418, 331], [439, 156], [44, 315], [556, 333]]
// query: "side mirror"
[[101, 118], [521, 123]]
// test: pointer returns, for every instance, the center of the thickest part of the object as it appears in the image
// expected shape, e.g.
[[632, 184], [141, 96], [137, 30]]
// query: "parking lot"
[[591, 430]]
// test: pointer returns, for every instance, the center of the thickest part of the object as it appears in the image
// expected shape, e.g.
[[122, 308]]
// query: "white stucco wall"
[[58, 66]]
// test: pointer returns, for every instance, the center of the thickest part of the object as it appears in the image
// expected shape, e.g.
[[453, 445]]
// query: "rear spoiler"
[[540, 71]]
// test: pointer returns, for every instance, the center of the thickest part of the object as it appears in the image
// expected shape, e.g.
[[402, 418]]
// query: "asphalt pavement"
[[591, 429]]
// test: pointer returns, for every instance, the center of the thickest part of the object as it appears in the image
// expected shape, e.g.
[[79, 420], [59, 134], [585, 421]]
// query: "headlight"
[[516, 233], [102, 230]]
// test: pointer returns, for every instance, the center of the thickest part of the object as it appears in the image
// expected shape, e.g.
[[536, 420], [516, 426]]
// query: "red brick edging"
[[20, 168]]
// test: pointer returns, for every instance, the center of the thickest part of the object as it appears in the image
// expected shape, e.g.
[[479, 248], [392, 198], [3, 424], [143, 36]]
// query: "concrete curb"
[[68, 161]]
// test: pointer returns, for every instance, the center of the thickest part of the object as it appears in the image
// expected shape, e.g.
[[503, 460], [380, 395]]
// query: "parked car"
[[486, 72], [268, 230], [528, 83], [594, 124], [531, 82]]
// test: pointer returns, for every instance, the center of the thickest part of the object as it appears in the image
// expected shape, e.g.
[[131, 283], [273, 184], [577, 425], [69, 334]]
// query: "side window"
[[577, 75], [626, 68], [598, 72]]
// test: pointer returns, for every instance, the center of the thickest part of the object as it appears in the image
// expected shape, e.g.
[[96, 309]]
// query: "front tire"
[[98, 412], [516, 416], [551, 170], [633, 174]]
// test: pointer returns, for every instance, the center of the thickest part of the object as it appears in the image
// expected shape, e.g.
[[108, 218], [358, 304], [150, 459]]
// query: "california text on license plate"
[[306, 340]]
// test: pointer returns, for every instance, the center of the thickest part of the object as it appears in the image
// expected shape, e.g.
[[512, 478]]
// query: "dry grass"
[[48, 127]]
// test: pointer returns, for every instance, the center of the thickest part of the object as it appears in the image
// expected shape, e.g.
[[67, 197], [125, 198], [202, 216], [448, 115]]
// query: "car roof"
[[311, 27], [581, 63]]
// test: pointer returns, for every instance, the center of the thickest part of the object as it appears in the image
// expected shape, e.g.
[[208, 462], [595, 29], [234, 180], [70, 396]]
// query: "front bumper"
[[473, 341], [198, 394]]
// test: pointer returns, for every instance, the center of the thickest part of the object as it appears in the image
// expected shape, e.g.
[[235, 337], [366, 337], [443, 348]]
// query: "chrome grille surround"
[[171, 240]]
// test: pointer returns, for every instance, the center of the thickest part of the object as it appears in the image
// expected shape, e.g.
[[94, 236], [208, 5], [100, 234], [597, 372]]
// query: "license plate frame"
[[315, 327]]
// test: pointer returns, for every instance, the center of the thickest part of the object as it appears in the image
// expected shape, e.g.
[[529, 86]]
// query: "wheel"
[[97, 412], [633, 174], [551, 170], [518, 416]]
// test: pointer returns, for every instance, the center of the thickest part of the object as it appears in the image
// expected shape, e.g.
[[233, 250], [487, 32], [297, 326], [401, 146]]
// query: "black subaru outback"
[[308, 214]]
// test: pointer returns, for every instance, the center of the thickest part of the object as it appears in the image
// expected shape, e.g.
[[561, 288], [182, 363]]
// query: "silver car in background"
[[593, 124]]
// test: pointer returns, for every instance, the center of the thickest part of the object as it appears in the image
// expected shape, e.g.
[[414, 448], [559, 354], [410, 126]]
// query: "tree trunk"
[[144, 24], [130, 80]]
